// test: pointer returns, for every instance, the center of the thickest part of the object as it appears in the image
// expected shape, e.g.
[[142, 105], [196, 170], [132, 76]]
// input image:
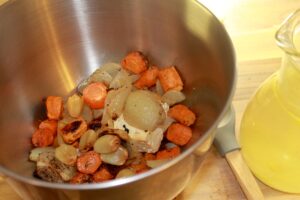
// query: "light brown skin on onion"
[[107, 144], [117, 157]]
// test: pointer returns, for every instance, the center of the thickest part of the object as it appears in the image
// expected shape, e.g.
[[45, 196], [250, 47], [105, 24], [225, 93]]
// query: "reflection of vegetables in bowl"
[[123, 120]]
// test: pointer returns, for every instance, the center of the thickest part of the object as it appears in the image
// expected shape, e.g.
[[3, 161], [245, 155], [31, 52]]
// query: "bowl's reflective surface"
[[49, 46]]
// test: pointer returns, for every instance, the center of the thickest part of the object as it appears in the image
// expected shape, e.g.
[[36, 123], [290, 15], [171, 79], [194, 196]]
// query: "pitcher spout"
[[287, 33]]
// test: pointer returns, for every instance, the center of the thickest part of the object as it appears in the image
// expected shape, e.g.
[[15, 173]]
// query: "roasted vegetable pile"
[[124, 119]]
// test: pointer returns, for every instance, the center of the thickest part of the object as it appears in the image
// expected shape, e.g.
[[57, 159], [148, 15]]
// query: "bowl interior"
[[48, 47]]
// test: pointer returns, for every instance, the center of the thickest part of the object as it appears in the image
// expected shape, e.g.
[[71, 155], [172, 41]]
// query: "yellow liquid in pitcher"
[[270, 139]]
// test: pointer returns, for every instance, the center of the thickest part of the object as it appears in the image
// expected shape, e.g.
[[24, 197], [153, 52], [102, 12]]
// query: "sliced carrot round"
[[88, 162], [94, 95], [42, 137]]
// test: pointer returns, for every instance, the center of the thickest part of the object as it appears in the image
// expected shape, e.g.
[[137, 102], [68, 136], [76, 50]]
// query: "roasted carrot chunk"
[[94, 95], [49, 124], [54, 106], [102, 175], [135, 62], [179, 134], [88, 162], [168, 153], [139, 167], [182, 114], [149, 156], [42, 137], [80, 178], [147, 78], [170, 79]]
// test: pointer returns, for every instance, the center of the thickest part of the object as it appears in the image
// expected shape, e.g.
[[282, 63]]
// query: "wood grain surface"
[[244, 176], [252, 25]]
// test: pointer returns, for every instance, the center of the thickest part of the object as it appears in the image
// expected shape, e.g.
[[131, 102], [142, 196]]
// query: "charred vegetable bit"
[[95, 124], [80, 178], [125, 118], [73, 130], [113, 169], [72, 127], [125, 128], [52, 170]]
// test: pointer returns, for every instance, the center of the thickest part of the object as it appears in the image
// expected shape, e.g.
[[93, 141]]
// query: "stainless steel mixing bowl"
[[48, 46]]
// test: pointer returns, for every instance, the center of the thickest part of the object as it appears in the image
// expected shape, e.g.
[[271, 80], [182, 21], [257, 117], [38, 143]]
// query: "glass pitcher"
[[270, 127]]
